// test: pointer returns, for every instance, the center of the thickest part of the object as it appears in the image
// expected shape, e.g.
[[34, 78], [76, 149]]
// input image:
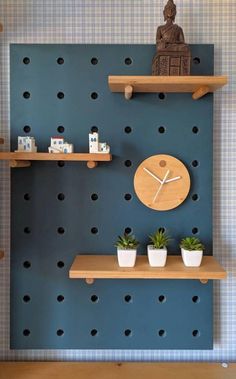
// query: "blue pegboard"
[[48, 310]]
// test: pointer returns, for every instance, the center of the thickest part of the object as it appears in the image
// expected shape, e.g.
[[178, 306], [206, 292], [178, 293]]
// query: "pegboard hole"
[[195, 197], [128, 61], [60, 332], [128, 230], [94, 129], [94, 95], [128, 196], [161, 129], [27, 196], [61, 196], [196, 60], [61, 163], [128, 163], [60, 60], [26, 95], [26, 299], [27, 264], [128, 129], [195, 130], [195, 163], [162, 96], [94, 332], [196, 299], [60, 264], [60, 129], [60, 298], [195, 230], [162, 333], [162, 299], [94, 196], [60, 95], [26, 60], [27, 230], [128, 333], [60, 230], [94, 61], [128, 299], [196, 333], [94, 299], [26, 332], [94, 230], [27, 129]]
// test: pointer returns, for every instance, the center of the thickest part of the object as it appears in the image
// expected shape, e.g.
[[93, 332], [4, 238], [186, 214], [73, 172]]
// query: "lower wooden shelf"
[[90, 267]]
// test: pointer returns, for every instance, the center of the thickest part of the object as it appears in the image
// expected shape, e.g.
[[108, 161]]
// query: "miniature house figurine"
[[97, 147], [173, 54], [59, 145], [26, 144]]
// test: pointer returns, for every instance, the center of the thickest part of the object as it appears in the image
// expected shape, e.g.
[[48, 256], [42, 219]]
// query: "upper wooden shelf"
[[18, 159], [197, 85], [90, 267]]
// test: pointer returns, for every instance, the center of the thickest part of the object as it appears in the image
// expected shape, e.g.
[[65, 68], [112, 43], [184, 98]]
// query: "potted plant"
[[191, 251], [126, 250], [157, 251]]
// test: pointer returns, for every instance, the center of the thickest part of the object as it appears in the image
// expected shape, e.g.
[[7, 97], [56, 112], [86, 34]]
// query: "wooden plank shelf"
[[90, 267], [22, 159], [197, 85]]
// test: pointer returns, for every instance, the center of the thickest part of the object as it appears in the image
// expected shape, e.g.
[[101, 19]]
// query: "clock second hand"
[[163, 181]]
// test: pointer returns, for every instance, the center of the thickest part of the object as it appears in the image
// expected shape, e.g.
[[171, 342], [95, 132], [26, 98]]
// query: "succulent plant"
[[159, 239], [191, 243], [127, 241]]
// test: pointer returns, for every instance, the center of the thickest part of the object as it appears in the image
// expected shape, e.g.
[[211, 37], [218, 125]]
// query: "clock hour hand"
[[173, 179], [163, 182], [154, 176]]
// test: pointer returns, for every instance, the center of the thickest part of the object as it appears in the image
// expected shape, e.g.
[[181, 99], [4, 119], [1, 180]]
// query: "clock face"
[[162, 182]]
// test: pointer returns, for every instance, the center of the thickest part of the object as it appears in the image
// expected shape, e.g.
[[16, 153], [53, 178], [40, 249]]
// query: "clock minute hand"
[[163, 182], [154, 176], [173, 179]]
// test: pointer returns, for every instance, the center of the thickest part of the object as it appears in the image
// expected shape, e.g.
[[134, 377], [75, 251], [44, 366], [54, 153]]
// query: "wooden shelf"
[[90, 267], [18, 159], [197, 85]]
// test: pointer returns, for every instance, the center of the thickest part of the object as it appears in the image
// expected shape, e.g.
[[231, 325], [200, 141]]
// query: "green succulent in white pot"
[[191, 251], [126, 250], [157, 250]]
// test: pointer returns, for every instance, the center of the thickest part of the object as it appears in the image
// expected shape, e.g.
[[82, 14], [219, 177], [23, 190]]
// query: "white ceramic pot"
[[192, 258], [126, 257], [157, 257]]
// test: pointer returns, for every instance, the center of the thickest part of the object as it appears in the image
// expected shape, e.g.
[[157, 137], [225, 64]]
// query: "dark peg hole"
[[128, 129], [128, 333], [94, 196], [195, 230], [162, 230], [60, 230], [128, 61], [94, 129], [128, 197], [162, 333], [195, 130], [195, 197], [128, 230], [162, 299], [195, 163], [94, 95], [27, 196], [61, 163], [196, 60], [94, 332], [26, 60], [94, 299], [60, 60], [128, 299], [26, 332], [60, 332], [60, 95], [60, 298], [195, 299], [196, 333], [60, 129], [161, 129], [94, 230], [27, 230], [60, 264], [27, 129], [128, 163], [162, 96], [61, 196], [26, 298], [94, 61], [26, 95], [27, 264]]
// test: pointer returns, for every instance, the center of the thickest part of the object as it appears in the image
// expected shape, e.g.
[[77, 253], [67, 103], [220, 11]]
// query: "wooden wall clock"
[[162, 182]]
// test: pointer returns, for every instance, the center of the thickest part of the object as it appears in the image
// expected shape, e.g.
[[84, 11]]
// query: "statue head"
[[170, 10]]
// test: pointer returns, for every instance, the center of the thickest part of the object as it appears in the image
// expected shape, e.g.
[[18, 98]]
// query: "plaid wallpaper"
[[134, 21]]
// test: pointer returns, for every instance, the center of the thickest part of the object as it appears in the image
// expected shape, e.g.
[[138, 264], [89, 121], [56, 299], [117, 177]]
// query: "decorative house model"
[[59, 145], [27, 144], [97, 147]]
